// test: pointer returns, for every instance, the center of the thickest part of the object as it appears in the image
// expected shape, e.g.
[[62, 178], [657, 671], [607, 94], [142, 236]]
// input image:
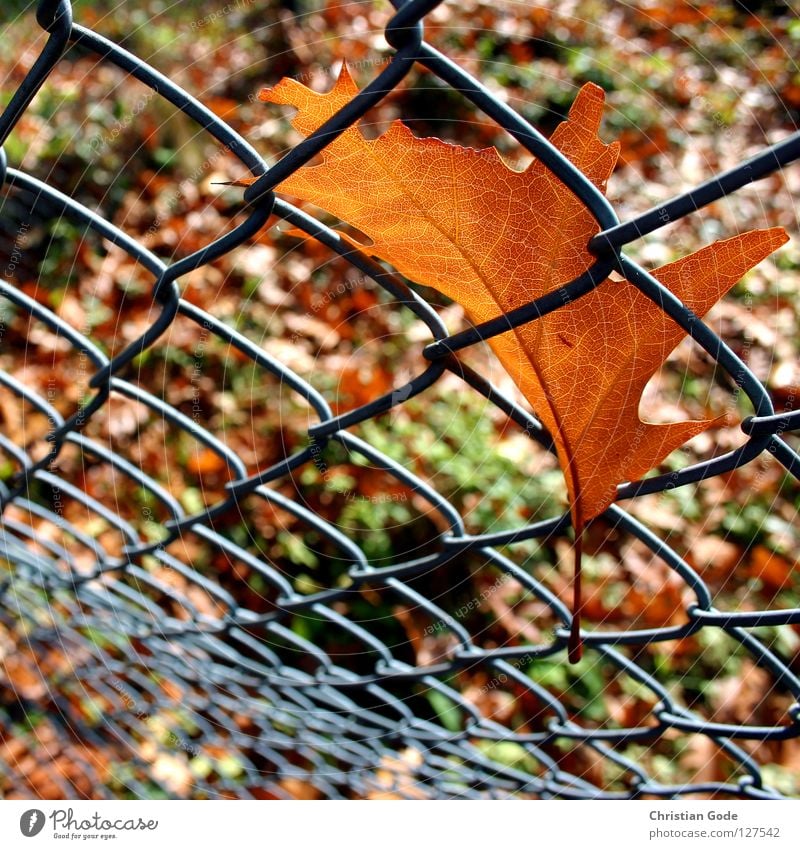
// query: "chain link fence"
[[173, 677]]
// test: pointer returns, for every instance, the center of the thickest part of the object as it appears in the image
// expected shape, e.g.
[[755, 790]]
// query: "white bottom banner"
[[393, 825]]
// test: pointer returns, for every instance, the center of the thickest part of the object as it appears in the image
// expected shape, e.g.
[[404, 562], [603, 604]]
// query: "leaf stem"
[[575, 645]]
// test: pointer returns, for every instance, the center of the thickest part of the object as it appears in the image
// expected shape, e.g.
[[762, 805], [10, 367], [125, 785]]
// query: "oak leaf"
[[493, 239]]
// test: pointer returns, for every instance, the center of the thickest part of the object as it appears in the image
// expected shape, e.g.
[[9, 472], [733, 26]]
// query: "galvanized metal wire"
[[284, 710]]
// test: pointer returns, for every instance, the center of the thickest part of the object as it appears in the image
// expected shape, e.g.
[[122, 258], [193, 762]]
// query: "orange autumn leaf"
[[204, 461], [493, 239]]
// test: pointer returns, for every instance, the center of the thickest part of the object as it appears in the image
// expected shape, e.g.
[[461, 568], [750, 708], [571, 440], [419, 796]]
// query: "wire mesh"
[[146, 676]]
